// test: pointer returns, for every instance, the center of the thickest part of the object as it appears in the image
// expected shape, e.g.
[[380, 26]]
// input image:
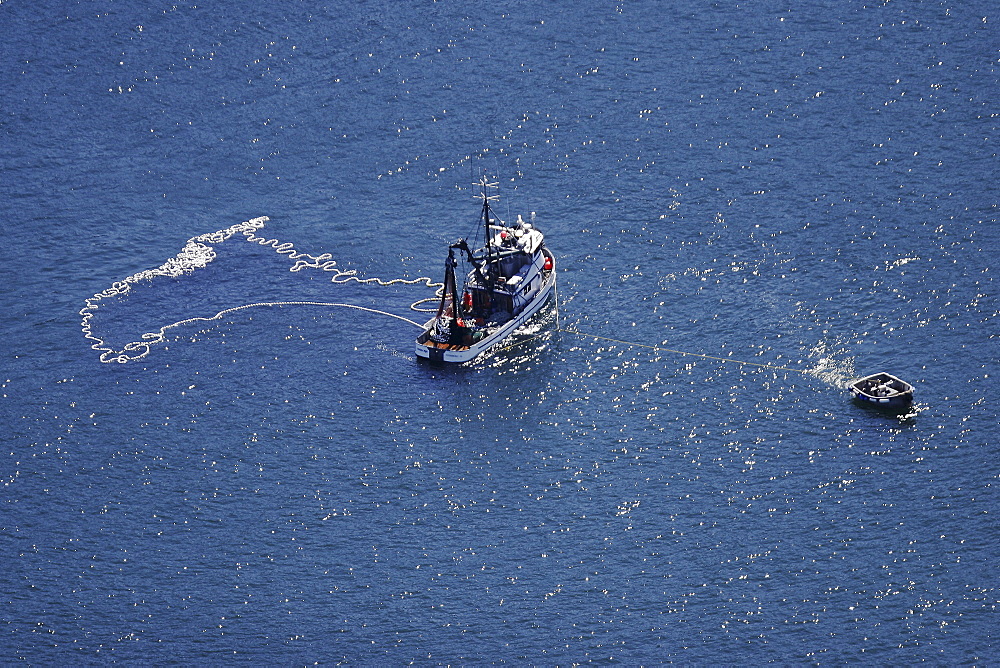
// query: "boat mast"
[[449, 292], [483, 184]]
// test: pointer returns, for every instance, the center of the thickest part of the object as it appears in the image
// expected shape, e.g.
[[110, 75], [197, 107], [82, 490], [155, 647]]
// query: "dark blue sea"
[[810, 188]]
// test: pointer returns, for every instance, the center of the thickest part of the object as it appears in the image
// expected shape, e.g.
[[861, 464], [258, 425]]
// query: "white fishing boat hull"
[[439, 352]]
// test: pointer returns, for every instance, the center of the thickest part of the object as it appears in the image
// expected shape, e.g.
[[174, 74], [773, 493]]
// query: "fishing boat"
[[505, 282], [883, 390]]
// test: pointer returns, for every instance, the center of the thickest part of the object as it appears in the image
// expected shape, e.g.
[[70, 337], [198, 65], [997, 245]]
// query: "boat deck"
[[430, 343]]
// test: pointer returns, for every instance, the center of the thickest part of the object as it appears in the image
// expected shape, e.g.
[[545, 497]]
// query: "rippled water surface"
[[811, 190]]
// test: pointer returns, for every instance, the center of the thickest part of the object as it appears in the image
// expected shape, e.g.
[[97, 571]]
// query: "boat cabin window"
[[509, 266]]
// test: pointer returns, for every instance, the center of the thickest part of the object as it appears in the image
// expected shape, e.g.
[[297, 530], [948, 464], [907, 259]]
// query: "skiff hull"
[[883, 390]]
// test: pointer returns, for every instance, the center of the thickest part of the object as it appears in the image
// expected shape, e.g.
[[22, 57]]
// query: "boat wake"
[[197, 253], [827, 367]]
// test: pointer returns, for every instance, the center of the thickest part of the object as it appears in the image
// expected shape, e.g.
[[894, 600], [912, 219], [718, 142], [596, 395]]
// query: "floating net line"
[[197, 254]]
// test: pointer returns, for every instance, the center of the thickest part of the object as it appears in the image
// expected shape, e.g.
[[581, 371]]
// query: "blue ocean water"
[[811, 189]]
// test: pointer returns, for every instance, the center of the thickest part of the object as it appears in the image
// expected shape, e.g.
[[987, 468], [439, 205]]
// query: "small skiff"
[[883, 390]]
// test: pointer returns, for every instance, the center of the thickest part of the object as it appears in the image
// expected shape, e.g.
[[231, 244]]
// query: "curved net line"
[[324, 262], [197, 254]]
